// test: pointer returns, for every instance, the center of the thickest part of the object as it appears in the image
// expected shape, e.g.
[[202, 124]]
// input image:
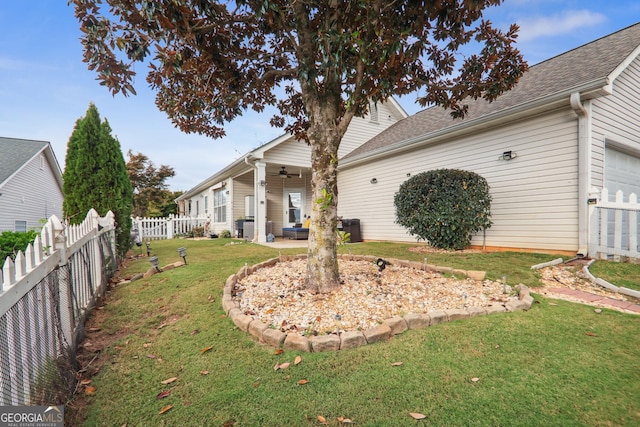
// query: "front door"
[[293, 208]]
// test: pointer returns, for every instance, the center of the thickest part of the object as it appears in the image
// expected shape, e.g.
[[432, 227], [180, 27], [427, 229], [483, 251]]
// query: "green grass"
[[556, 365], [618, 273]]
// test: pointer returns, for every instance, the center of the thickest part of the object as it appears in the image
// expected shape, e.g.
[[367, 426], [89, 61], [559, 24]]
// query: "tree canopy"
[[150, 191], [320, 63], [95, 176]]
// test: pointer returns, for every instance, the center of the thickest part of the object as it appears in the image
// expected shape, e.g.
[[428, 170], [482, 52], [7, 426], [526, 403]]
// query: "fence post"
[[633, 224], [169, 225], [64, 281], [593, 222]]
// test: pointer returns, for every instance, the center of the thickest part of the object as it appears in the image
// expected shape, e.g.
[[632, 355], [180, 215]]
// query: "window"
[[20, 226], [206, 205], [219, 205]]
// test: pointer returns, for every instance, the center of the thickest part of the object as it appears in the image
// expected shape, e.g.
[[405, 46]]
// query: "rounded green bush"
[[444, 207]]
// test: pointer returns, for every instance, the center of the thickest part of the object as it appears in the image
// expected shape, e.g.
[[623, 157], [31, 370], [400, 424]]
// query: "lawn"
[[557, 364]]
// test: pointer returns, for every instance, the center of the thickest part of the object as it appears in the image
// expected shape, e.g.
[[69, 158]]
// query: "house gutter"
[[582, 109], [593, 89]]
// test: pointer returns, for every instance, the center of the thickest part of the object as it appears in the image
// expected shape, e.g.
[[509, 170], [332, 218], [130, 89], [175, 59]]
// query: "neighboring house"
[[271, 185], [571, 124], [30, 184]]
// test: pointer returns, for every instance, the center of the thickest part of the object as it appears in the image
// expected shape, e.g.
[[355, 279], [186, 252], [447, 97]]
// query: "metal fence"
[[47, 292]]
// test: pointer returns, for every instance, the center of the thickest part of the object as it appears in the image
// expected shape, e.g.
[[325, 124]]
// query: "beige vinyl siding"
[[31, 195], [534, 196], [363, 129], [616, 120], [298, 153]]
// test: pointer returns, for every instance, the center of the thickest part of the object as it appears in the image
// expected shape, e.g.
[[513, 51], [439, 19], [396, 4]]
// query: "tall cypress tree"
[[95, 176]]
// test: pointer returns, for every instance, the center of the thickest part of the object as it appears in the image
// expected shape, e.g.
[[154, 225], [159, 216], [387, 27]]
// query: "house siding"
[[360, 130], [32, 195], [616, 120], [537, 211]]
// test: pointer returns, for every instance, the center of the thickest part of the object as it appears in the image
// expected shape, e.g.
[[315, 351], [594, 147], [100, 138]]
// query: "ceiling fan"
[[284, 174]]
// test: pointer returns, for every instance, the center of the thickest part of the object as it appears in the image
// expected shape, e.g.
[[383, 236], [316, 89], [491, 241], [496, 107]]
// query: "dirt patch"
[[91, 355]]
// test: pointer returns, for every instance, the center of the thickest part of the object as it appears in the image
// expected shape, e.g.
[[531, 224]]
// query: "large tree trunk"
[[323, 275]]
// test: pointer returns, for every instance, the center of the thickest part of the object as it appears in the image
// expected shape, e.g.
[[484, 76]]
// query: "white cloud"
[[560, 23]]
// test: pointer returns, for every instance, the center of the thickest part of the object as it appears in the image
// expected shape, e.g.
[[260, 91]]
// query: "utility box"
[[352, 226]]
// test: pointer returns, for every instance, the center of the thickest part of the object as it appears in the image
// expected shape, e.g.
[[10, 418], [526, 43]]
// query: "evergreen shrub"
[[444, 207]]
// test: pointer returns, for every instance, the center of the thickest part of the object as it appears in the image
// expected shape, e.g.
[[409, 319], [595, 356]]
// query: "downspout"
[[583, 111]]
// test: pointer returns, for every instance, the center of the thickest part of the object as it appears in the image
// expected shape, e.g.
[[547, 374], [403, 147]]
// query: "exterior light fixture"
[[148, 244], [154, 263], [183, 253], [508, 155]]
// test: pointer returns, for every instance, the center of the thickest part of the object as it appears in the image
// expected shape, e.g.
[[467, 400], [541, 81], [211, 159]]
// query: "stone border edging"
[[351, 339], [607, 285]]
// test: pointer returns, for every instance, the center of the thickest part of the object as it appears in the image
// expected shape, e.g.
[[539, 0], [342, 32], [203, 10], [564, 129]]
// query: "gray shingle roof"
[[14, 153], [589, 63]]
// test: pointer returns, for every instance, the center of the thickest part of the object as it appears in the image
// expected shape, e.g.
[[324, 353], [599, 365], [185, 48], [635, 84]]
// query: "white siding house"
[[271, 185], [572, 123], [30, 184]]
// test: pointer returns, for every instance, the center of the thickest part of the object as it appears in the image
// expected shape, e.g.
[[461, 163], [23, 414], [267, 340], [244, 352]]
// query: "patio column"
[[260, 191]]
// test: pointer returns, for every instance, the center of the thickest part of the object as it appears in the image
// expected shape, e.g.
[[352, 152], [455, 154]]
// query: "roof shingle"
[[588, 63]]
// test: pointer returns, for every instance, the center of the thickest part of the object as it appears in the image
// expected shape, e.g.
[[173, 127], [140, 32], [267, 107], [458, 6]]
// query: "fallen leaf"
[[278, 351], [591, 334], [255, 385], [169, 380], [396, 364], [288, 377], [204, 350], [322, 419], [229, 423], [165, 409], [85, 382], [151, 356], [344, 420], [475, 379], [302, 382], [195, 331], [297, 360], [269, 311], [162, 325], [163, 394], [417, 416], [94, 329], [89, 390], [553, 303], [204, 372], [276, 367], [285, 365], [146, 345]]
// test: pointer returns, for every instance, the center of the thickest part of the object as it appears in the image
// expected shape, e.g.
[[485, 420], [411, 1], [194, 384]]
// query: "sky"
[[45, 87]]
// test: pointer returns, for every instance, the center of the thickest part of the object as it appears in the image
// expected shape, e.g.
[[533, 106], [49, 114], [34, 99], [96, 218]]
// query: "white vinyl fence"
[[614, 226], [167, 228], [46, 294]]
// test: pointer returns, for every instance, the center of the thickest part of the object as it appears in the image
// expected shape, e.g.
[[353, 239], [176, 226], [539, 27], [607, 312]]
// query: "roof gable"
[[587, 68], [16, 153]]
